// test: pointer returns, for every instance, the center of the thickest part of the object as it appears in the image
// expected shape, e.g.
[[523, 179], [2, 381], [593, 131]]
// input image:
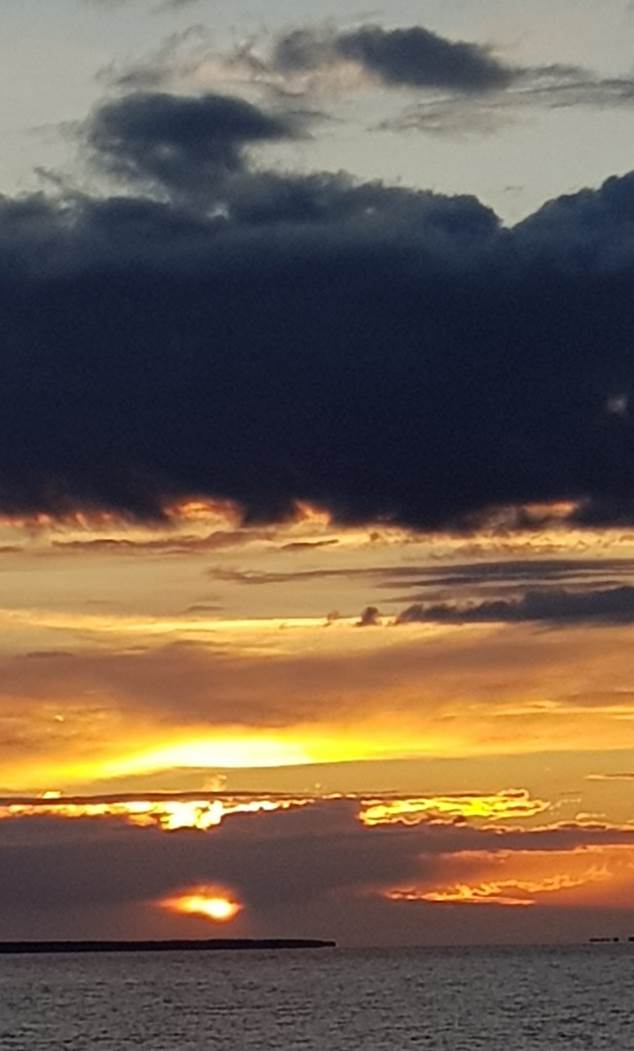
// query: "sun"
[[211, 903], [219, 909]]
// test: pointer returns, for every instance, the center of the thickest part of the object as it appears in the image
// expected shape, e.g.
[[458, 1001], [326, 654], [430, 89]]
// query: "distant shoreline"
[[173, 945]]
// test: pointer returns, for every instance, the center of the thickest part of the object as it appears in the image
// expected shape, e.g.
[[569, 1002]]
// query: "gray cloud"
[[517, 571], [184, 145], [412, 57], [553, 605], [480, 91], [183, 544], [547, 88], [180, 54], [175, 5], [297, 546], [475, 575]]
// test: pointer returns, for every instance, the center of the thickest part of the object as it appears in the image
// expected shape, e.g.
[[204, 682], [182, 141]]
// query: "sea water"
[[528, 999]]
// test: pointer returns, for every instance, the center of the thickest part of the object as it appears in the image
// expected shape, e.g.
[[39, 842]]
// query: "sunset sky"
[[317, 470]]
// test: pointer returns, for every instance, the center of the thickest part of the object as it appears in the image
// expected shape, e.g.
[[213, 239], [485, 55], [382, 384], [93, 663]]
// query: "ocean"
[[506, 999]]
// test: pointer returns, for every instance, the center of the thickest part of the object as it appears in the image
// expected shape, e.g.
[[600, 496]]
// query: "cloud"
[[172, 811], [181, 144], [461, 88], [543, 88], [179, 56], [174, 5], [162, 7], [553, 605], [385, 354], [477, 575], [183, 544], [611, 777], [307, 545], [413, 57], [308, 59], [481, 91]]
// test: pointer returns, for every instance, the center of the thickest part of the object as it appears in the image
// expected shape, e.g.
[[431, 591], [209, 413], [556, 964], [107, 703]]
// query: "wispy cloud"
[[459, 87], [552, 88]]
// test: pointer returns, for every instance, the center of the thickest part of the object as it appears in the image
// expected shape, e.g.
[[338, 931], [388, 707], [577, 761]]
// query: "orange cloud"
[[173, 813], [166, 814], [512, 803], [524, 879], [512, 892]]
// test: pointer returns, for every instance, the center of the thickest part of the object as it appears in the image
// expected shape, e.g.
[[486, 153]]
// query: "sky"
[[317, 470]]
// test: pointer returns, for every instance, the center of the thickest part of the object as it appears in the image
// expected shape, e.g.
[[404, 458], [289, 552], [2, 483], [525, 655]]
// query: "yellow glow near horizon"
[[301, 747], [219, 752], [143, 750], [210, 903]]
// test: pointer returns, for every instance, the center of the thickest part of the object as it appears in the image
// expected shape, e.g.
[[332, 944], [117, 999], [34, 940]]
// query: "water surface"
[[327, 1000]]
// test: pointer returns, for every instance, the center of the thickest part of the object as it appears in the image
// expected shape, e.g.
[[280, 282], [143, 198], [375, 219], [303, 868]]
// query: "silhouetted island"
[[174, 945]]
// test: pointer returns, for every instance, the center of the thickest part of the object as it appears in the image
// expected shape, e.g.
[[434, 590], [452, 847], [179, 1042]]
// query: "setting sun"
[[207, 902]]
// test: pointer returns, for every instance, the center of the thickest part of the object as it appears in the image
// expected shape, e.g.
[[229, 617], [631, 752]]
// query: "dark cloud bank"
[[390, 354], [312, 867]]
